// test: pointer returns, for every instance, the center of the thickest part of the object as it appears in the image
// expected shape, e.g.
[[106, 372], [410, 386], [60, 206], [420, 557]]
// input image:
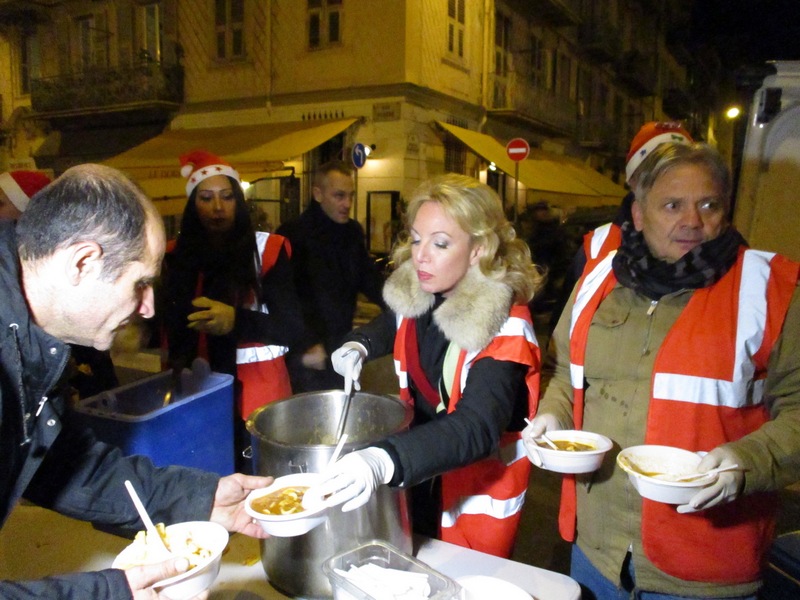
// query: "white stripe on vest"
[[483, 505], [742, 390], [512, 327], [591, 284], [260, 353], [751, 322]]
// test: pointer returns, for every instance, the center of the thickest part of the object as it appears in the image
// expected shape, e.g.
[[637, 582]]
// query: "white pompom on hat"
[[650, 137], [198, 165], [20, 186]]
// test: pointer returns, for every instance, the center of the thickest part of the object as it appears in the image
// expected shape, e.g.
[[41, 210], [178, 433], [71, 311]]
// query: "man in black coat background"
[[331, 267]]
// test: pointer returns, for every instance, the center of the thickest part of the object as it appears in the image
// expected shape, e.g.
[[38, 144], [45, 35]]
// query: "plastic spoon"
[[713, 471], [544, 437], [160, 548]]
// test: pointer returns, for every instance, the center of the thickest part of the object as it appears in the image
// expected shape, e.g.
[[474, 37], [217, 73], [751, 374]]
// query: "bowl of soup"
[[653, 471], [279, 509], [576, 451]]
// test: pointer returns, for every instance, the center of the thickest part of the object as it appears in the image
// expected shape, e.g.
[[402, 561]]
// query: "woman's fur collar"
[[470, 318]]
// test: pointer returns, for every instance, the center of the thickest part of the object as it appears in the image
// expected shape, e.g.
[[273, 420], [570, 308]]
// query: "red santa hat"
[[20, 186], [650, 137], [201, 164]]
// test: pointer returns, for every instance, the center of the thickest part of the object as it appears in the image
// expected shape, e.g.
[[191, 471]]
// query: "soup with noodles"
[[569, 445], [285, 501]]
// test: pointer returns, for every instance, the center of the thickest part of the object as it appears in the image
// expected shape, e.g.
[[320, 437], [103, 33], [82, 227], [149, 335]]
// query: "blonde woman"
[[468, 362]]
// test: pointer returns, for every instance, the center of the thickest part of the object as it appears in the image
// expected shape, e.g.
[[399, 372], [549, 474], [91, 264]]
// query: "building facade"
[[135, 83]]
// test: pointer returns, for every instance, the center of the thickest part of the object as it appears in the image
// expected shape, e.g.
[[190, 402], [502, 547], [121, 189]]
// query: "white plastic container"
[[387, 556]]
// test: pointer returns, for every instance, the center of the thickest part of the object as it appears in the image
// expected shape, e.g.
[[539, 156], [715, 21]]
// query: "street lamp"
[[733, 112]]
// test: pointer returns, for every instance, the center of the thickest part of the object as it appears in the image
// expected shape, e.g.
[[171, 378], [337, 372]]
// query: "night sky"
[[748, 32]]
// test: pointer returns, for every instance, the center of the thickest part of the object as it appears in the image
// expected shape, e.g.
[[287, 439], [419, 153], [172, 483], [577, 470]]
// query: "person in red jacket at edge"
[[229, 293], [466, 356], [677, 334]]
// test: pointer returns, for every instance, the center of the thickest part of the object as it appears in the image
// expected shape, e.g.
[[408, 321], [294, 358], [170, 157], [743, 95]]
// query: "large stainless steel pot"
[[298, 434]]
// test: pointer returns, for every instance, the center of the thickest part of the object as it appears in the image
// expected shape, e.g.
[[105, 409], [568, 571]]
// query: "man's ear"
[[316, 191], [83, 259]]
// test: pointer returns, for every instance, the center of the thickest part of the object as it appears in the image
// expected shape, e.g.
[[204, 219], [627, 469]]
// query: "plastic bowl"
[[642, 462], [484, 587], [564, 461], [206, 535], [293, 524]]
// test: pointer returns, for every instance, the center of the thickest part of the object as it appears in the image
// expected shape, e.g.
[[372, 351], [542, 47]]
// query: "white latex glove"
[[352, 479], [727, 487], [347, 362], [540, 424]]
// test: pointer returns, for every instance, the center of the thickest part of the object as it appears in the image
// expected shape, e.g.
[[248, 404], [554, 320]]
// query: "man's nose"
[[147, 305], [692, 217]]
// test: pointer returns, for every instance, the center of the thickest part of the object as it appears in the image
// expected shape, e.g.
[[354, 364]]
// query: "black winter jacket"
[[331, 266], [55, 464]]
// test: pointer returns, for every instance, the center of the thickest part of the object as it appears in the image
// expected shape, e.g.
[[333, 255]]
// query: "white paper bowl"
[[637, 461], [207, 535], [484, 587], [292, 524], [563, 461]]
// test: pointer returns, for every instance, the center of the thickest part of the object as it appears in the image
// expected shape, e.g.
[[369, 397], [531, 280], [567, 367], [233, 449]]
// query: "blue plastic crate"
[[195, 429]]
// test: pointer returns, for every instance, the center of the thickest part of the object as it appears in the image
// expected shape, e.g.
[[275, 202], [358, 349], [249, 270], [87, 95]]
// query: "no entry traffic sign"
[[518, 149]]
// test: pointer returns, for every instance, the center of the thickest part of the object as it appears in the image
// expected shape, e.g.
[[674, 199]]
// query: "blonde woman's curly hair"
[[477, 209]]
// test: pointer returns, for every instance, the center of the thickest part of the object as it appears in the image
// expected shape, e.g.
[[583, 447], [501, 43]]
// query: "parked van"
[[768, 198]]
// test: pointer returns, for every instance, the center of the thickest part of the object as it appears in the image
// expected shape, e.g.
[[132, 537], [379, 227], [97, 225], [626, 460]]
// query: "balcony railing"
[[533, 103], [93, 89], [601, 133]]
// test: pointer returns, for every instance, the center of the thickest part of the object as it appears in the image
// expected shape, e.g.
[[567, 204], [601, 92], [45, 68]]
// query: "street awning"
[[253, 150], [556, 181], [586, 175]]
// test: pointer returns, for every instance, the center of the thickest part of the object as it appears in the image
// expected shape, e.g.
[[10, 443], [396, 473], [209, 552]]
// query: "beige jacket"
[[622, 346]]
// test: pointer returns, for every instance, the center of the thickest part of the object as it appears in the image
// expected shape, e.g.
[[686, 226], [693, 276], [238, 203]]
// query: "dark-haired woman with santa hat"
[[229, 290]]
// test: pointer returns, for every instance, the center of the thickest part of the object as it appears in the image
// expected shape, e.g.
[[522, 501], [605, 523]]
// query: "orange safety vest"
[[699, 404], [261, 368], [482, 502]]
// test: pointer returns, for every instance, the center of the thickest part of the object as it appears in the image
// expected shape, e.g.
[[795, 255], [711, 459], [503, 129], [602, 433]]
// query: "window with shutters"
[[150, 33], [29, 61], [324, 23], [456, 29], [91, 42], [229, 27]]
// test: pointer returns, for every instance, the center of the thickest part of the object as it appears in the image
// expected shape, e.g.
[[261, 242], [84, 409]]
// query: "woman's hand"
[[215, 318], [315, 358], [228, 509]]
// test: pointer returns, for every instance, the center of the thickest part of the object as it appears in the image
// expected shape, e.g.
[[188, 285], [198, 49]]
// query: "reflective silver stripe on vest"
[[598, 239], [751, 321], [512, 327], [591, 284], [259, 354], [483, 505]]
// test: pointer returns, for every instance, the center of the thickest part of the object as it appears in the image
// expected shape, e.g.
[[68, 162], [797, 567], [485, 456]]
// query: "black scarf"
[[636, 268]]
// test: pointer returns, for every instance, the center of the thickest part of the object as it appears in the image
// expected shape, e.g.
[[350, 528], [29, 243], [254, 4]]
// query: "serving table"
[[35, 543]]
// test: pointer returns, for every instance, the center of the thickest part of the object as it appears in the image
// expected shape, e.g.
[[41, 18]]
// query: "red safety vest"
[[699, 404], [261, 368], [482, 502]]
